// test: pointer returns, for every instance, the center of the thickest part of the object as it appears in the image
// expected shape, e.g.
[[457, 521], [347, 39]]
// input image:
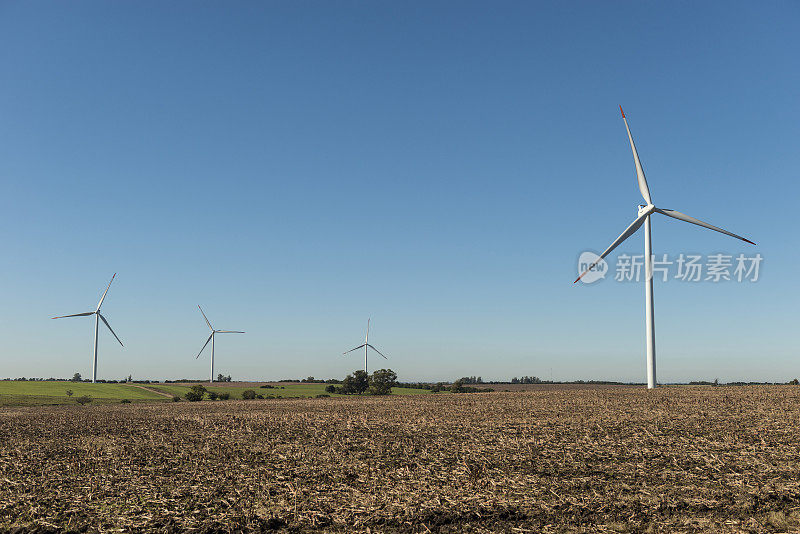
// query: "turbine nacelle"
[[646, 209]]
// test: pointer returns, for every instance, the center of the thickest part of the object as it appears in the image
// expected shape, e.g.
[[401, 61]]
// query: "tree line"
[[379, 382]]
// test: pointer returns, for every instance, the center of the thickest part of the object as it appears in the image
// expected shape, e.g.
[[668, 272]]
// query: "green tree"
[[76, 377], [360, 381], [381, 382], [357, 383], [348, 386], [458, 386], [196, 393]]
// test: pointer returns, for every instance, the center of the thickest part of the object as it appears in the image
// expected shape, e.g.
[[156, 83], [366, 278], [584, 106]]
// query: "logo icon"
[[598, 272]]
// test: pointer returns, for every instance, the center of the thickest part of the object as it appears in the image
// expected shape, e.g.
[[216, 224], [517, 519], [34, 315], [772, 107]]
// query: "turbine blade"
[[74, 315], [109, 327], [376, 350], [683, 217], [204, 346], [639, 171], [629, 231], [105, 292], [228, 332], [206, 318], [358, 347]]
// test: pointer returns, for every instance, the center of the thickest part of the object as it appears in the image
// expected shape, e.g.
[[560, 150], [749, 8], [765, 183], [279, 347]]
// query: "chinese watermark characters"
[[685, 268]]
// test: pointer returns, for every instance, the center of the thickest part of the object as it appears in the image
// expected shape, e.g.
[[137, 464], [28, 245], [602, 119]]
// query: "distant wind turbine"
[[366, 347], [97, 318], [644, 218], [211, 339]]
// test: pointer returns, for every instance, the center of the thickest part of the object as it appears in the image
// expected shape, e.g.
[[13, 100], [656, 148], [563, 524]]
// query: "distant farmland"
[[592, 459], [276, 389], [31, 393], [13, 392]]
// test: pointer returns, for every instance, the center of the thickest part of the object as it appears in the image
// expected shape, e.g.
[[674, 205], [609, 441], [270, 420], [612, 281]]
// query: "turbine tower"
[[211, 339], [97, 317], [643, 218], [366, 347]]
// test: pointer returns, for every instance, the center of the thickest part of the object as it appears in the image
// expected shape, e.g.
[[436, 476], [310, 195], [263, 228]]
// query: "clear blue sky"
[[298, 167]]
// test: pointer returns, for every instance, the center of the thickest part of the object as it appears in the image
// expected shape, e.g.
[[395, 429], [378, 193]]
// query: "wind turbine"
[[643, 218], [97, 317], [366, 347], [211, 339]]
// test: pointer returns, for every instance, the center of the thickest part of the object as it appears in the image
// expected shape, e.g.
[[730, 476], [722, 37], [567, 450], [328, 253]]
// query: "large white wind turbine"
[[211, 339], [97, 318], [366, 347], [644, 218]]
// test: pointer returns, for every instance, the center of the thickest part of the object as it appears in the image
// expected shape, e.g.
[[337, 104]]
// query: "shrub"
[[69, 393], [795, 382], [322, 396], [259, 396], [459, 387], [83, 400], [224, 396], [125, 401], [248, 394], [196, 393], [330, 389], [213, 395], [176, 399], [267, 386]]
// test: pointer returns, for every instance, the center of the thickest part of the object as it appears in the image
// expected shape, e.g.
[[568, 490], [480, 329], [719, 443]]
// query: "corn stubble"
[[605, 459]]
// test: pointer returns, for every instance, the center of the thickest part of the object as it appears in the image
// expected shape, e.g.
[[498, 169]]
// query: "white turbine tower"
[[211, 339], [366, 347], [97, 317], [644, 218]]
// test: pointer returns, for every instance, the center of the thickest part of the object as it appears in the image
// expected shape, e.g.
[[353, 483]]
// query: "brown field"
[[597, 459]]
